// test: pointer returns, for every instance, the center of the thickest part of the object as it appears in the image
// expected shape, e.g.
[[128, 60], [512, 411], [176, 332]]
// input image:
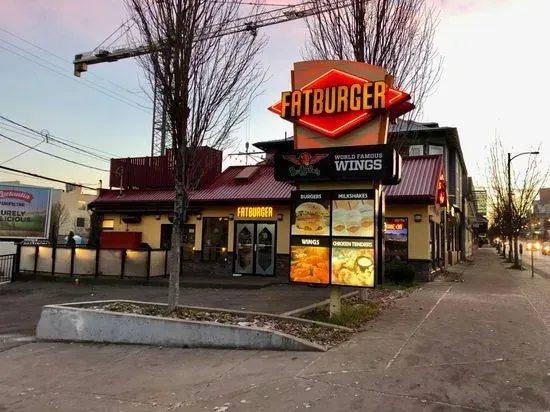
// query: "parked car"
[[545, 248]]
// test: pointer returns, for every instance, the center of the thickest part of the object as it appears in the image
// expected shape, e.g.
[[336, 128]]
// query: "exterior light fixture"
[[280, 217], [231, 216], [199, 216], [418, 217]]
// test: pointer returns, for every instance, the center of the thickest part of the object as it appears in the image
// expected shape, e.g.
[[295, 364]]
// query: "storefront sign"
[[333, 237], [337, 101], [375, 162], [396, 238], [255, 212], [24, 211], [441, 198]]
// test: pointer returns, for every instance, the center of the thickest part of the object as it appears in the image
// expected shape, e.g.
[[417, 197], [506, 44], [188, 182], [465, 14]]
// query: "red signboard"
[[337, 102]]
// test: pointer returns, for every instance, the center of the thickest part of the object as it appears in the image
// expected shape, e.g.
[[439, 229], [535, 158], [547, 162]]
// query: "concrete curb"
[[69, 322], [304, 309]]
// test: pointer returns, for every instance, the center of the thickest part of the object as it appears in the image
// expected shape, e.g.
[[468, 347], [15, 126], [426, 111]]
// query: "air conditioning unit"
[[416, 150], [435, 150]]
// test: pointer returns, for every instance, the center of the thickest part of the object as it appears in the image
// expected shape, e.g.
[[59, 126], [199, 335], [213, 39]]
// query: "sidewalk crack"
[[392, 360]]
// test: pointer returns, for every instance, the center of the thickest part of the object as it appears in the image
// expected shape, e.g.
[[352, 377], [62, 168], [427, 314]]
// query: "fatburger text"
[[335, 99]]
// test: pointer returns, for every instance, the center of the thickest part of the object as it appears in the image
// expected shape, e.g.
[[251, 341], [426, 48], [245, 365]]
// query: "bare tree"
[[396, 35], [525, 186], [59, 217], [206, 82]]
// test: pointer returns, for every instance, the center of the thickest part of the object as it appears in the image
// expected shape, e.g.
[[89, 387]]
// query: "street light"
[[510, 158]]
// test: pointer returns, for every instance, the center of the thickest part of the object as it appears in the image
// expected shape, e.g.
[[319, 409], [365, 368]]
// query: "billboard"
[[24, 211]]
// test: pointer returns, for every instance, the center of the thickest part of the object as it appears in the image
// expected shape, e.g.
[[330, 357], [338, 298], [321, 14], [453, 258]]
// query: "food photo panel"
[[353, 215], [310, 260], [352, 262], [311, 214]]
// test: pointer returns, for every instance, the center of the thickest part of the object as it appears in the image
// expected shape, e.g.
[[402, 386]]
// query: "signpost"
[[341, 112]]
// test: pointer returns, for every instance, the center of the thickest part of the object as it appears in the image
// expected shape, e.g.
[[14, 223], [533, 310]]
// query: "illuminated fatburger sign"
[[338, 101]]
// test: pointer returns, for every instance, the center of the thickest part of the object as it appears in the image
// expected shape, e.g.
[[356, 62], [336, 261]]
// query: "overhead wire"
[[66, 61], [52, 155], [61, 141], [21, 154], [86, 83], [44, 177]]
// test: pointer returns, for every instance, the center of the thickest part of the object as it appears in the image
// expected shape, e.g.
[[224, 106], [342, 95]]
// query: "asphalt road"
[[482, 344]]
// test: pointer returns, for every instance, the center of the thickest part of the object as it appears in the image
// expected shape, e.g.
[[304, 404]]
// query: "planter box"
[[73, 322]]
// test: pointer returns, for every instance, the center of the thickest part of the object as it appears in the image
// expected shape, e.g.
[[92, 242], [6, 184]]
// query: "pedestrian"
[[70, 240]]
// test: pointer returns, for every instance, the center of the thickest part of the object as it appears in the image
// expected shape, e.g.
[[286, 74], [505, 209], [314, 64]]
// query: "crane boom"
[[249, 23]]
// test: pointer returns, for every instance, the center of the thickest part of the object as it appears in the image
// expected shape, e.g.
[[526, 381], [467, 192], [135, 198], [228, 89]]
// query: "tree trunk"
[[516, 254], [510, 243], [180, 208]]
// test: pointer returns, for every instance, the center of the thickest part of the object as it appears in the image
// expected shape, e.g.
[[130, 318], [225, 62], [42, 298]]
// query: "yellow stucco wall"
[[419, 232], [150, 226]]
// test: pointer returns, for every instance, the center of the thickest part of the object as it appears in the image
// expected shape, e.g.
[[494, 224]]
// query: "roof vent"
[[247, 173]]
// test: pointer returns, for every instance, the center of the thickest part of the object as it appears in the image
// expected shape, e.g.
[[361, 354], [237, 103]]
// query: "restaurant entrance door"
[[255, 247]]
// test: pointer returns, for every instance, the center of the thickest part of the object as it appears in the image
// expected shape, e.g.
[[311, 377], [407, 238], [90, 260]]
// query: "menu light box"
[[332, 237]]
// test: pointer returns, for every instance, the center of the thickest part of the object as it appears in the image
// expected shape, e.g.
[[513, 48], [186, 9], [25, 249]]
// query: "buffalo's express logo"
[[336, 102], [16, 194], [305, 162]]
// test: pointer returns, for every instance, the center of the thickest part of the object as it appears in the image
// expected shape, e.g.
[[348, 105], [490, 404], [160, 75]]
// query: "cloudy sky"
[[495, 59]]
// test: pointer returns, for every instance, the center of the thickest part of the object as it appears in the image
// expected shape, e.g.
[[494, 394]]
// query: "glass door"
[[244, 256], [265, 249]]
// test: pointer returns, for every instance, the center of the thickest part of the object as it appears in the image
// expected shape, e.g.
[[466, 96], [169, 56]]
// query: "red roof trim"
[[418, 183]]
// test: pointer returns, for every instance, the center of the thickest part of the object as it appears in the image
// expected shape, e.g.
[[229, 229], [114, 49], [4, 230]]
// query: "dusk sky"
[[495, 56]]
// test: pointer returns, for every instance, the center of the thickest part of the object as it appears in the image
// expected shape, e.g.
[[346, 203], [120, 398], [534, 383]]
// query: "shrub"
[[398, 271]]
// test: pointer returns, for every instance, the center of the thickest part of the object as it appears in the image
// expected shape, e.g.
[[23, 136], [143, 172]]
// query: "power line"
[[59, 140], [46, 178], [53, 155], [90, 85], [132, 92], [20, 154]]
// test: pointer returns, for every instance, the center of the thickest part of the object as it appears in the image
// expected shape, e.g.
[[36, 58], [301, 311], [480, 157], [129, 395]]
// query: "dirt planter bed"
[[132, 322]]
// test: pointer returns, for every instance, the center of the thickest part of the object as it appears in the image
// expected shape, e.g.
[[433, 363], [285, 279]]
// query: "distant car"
[[545, 248], [534, 246]]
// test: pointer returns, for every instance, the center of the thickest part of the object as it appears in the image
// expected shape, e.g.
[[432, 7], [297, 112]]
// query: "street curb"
[[224, 283], [75, 322], [304, 309]]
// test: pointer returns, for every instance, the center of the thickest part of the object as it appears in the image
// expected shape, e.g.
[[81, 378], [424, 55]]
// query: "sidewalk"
[[483, 344]]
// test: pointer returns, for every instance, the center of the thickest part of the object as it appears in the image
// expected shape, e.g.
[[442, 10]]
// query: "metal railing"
[[7, 267]]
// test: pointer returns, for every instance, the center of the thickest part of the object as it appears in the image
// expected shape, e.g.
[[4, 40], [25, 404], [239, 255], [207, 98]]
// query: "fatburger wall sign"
[[376, 162], [340, 103]]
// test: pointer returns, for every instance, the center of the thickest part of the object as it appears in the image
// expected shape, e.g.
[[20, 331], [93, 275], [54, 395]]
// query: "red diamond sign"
[[337, 102]]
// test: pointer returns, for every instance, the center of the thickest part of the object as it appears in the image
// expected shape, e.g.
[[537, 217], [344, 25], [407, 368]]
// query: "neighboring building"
[[540, 221], [419, 139], [75, 214]]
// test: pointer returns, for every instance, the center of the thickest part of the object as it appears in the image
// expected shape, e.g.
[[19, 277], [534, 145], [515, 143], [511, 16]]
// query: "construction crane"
[[159, 141]]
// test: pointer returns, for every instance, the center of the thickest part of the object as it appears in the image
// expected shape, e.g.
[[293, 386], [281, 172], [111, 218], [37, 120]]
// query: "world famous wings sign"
[[338, 101]]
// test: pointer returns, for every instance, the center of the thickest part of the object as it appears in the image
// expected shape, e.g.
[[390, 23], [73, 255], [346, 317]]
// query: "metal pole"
[[532, 264], [509, 205]]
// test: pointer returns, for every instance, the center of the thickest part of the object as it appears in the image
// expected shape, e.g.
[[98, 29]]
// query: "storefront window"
[[396, 238], [188, 239], [214, 239]]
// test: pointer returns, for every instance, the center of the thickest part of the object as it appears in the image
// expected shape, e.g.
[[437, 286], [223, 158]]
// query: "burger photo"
[[312, 217]]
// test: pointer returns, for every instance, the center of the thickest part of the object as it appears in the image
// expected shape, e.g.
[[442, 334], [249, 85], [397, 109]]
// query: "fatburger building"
[[239, 219]]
